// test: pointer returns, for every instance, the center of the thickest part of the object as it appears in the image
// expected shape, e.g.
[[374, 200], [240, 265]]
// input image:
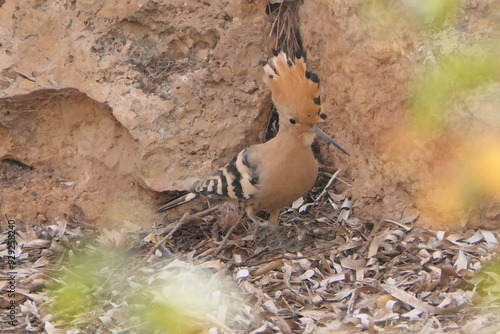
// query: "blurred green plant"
[[380, 17], [451, 79], [178, 305], [112, 289], [434, 12], [488, 286], [84, 281]]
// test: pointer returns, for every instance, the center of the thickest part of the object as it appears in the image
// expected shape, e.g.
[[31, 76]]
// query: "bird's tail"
[[178, 201]]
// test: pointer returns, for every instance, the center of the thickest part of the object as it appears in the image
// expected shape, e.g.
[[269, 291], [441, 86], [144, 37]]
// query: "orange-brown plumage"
[[270, 176]]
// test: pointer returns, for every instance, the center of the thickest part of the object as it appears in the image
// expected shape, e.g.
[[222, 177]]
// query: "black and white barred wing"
[[238, 179]]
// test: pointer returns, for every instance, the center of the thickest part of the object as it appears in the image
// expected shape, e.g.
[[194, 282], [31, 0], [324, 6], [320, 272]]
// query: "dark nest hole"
[[284, 18], [12, 170]]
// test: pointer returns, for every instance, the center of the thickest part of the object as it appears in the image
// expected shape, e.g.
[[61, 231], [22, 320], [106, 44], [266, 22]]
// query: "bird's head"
[[295, 93]]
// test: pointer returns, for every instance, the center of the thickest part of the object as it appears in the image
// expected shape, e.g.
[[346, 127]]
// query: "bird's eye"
[[323, 116], [292, 120]]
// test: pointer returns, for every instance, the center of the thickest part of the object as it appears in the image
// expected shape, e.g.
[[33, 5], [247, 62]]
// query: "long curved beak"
[[320, 132]]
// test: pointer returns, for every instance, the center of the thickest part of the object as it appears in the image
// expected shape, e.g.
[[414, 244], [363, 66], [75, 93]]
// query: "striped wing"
[[238, 179]]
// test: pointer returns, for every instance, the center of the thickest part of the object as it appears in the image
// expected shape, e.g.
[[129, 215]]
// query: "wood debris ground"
[[338, 275]]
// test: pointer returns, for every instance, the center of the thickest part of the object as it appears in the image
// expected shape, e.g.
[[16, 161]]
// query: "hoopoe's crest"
[[295, 90]]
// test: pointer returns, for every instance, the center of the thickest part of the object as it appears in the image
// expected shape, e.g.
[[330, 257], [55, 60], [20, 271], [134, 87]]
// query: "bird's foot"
[[281, 241]]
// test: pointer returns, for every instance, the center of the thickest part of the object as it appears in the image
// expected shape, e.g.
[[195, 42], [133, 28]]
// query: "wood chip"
[[414, 302], [489, 237]]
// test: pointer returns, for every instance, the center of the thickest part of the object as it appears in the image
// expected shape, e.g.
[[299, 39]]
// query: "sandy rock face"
[[369, 57], [161, 94], [79, 156], [364, 91], [104, 103]]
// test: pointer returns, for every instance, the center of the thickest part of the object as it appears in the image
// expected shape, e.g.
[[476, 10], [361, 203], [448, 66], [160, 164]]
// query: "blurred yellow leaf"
[[485, 166]]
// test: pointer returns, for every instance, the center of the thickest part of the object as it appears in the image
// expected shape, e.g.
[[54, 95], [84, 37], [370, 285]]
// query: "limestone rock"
[[110, 95]]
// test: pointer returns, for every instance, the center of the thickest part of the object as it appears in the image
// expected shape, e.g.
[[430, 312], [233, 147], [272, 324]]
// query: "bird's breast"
[[285, 176]]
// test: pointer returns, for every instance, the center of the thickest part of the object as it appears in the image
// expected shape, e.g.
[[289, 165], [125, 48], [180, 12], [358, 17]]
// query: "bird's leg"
[[226, 237], [250, 211], [272, 222], [273, 219], [257, 222]]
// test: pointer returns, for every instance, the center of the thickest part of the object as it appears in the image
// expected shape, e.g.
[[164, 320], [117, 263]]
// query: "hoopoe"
[[270, 176]]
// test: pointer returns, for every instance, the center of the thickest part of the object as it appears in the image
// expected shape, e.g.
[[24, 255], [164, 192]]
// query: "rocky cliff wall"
[[104, 103]]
